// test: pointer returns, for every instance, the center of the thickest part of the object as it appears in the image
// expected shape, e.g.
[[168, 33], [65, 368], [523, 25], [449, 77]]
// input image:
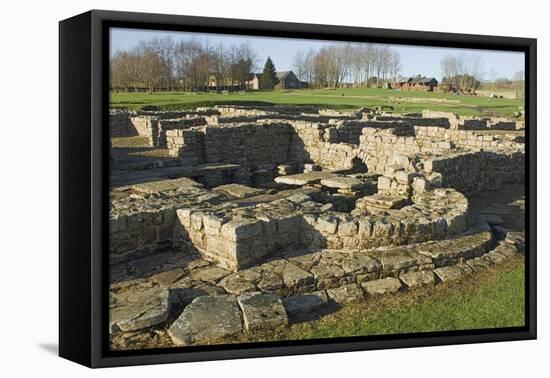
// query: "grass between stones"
[[494, 298], [342, 99]]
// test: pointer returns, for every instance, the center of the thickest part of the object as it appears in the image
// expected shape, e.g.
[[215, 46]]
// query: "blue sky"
[[414, 59]]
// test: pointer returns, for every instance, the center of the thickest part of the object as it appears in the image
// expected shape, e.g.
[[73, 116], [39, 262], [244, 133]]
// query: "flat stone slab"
[[342, 182], [237, 283], [382, 201], [306, 304], [262, 310], [303, 178], [382, 286], [211, 274], [141, 308], [238, 190], [420, 278], [295, 277], [449, 273], [207, 319], [346, 294], [165, 185]]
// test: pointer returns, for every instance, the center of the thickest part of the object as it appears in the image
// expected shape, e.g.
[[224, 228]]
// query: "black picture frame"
[[83, 196]]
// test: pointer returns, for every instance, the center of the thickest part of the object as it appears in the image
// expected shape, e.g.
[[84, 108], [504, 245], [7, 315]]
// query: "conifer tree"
[[269, 75]]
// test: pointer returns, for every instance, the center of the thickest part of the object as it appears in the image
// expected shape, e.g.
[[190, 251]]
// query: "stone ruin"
[[261, 216]]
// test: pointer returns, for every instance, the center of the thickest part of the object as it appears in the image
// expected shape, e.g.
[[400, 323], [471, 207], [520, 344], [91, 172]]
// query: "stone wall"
[[237, 238], [140, 234], [120, 124], [472, 172]]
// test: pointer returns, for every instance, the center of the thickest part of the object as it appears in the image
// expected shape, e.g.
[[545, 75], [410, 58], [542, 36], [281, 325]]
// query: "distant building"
[[287, 80], [253, 81], [422, 84]]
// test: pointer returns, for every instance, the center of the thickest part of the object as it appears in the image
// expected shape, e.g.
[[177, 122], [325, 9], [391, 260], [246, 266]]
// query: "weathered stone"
[[384, 183], [295, 277], [358, 263], [211, 274], [165, 185], [342, 182], [138, 309], [420, 278], [395, 260], [448, 273], [262, 310], [404, 177], [212, 224], [302, 179], [236, 283], [206, 320], [327, 224], [382, 201], [347, 228], [238, 190], [346, 294], [241, 229], [381, 286], [306, 304], [327, 275]]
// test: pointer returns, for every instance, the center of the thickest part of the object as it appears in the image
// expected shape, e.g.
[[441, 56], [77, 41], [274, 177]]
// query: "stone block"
[[449, 273], [207, 319], [384, 183], [295, 278], [347, 228], [306, 304], [327, 224], [262, 310], [212, 224], [381, 286], [346, 294], [239, 229], [404, 177], [139, 309], [420, 278]]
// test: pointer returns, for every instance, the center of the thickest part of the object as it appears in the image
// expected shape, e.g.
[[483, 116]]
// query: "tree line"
[[189, 65], [461, 73], [185, 65], [337, 65]]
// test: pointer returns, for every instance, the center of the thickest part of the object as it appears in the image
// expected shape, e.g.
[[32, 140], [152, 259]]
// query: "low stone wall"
[[144, 125], [120, 124], [473, 172], [142, 216], [236, 238], [137, 235], [158, 136]]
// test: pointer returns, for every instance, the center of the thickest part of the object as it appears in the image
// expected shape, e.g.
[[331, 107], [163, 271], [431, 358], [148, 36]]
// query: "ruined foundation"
[[259, 216]]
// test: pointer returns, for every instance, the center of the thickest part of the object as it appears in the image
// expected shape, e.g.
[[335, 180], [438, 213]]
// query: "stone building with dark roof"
[[287, 80], [422, 83]]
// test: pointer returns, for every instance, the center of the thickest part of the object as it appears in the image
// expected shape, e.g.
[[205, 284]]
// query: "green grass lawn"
[[492, 299], [344, 99]]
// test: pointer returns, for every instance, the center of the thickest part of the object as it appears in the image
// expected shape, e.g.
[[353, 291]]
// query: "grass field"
[[344, 99], [492, 299]]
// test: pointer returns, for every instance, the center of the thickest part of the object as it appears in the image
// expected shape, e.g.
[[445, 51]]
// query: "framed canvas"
[[235, 188]]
